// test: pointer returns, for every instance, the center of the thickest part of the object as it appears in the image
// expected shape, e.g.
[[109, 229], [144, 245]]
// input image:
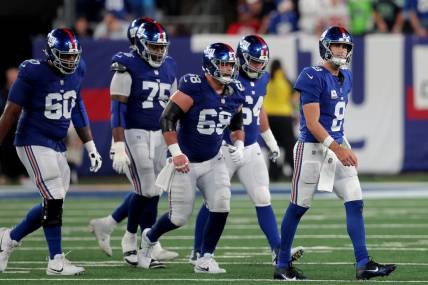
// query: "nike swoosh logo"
[[286, 278], [310, 76], [373, 270], [203, 268], [59, 271]]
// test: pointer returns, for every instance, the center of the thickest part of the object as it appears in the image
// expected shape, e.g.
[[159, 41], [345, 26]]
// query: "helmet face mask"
[[152, 43], [335, 35], [63, 50], [253, 55], [154, 53], [226, 71], [219, 61]]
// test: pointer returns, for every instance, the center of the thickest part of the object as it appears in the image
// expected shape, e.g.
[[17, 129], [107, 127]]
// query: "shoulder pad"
[[29, 63], [28, 68], [116, 66], [316, 68], [238, 85], [192, 78]]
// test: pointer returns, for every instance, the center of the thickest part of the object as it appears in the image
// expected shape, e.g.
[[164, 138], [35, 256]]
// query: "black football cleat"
[[290, 273], [374, 269]]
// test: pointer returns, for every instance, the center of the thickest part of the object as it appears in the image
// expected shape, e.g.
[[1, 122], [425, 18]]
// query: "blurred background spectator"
[[417, 14], [361, 16], [284, 19], [388, 16], [112, 27], [247, 21], [279, 105], [11, 168], [82, 29]]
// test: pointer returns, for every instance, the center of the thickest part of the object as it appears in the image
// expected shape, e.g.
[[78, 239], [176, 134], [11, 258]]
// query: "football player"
[[103, 227], [45, 98], [253, 56], [323, 158], [204, 105]]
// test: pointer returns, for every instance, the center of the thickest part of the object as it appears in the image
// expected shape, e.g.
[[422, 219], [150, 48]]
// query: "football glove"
[[237, 152], [121, 160], [94, 156]]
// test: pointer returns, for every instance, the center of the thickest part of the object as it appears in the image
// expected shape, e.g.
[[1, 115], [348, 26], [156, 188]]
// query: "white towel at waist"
[[163, 181], [327, 173]]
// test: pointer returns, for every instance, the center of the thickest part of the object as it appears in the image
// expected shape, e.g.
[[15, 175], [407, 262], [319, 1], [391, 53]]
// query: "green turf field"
[[397, 231]]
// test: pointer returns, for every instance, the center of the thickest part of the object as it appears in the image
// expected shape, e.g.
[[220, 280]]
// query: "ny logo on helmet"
[[210, 52], [244, 44], [52, 41]]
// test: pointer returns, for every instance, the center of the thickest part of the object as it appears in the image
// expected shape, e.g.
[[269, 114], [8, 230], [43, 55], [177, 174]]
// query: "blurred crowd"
[[108, 19]]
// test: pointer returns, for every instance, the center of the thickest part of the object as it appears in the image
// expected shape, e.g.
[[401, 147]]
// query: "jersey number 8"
[[339, 113]]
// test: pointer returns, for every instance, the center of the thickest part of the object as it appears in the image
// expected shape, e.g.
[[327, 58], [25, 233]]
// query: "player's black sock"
[[150, 212], [213, 230], [201, 221], [162, 225], [136, 205]]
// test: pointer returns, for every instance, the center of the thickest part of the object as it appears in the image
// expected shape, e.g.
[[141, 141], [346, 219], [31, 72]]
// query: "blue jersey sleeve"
[[21, 89], [309, 85], [190, 84], [79, 116]]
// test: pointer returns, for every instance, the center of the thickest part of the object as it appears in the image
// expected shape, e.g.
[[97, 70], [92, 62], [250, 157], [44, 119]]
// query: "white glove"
[[271, 144], [120, 158], [237, 152], [94, 156]]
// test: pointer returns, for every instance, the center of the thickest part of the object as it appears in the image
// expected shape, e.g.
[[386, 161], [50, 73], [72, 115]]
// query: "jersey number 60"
[[59, 105]]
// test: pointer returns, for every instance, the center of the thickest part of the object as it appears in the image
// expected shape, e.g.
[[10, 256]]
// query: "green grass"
[[397, 231]]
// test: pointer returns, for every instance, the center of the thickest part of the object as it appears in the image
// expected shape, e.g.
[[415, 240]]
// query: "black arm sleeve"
[[236, 122], [170, 116]]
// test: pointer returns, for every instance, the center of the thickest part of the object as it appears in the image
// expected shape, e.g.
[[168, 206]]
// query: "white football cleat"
[[129, 248], [295, 254], [162, 254], [7, 246], [145, 259], [102, 229], [59, 265], [194, 255], [207, 264]]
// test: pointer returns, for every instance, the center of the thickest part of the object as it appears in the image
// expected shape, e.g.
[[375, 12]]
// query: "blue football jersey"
[[317, 84], [254, 90], [150, 90], [49, 101], [200, 133]]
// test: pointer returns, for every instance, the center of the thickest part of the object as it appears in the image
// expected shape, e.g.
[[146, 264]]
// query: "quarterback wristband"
[[328, 141], [269, 138], [90, 146], [174, 149]]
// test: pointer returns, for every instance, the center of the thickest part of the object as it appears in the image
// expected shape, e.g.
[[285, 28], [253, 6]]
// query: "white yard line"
[[203, 280], [115, 263], [308, 249]]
